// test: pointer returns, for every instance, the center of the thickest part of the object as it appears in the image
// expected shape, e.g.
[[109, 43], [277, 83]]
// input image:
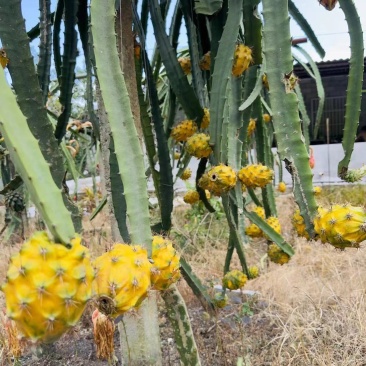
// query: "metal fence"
[[334, 109]]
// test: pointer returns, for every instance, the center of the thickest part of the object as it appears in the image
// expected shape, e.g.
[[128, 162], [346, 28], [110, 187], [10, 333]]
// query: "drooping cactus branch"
[[354, 88], [25, 83], [284, 104], [33, 168]]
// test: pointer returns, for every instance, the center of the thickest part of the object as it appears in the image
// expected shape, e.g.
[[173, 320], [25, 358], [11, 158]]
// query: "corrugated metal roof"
[[327, 68]]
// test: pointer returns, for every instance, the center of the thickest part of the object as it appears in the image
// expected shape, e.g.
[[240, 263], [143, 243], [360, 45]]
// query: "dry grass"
[[311, 311], [315, 306]]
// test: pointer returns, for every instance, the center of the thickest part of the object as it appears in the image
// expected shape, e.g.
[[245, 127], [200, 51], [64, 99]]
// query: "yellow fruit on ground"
[[220, 179], [47, 287], [277, 255], [266, 117], [191, 197], [165, 266], [253, 272], [187, 173], [341, 225], [253, 231], [317, 190], [206, 119], [198, 145], [122, 279], [183, 130], [185, 64], [256, 175], [251, 127], [234, 280], [220, 300], [205, 62], [242, 59], [299, 225], [281, 187]]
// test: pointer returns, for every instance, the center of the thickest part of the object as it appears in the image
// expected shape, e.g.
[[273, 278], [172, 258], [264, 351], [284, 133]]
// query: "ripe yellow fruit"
[[183, 130], [266, 117], [234, 280], [260, 212], [185, 64], [47, 287], [219, 179], [165, 267], [253, 231], [242, 59], [317, 190], [187, 173], [251, 127], [205, 62], [198, 145], [220, 300], [341, 225], [256, 175], [299, 225], [281, 187], [277, 255], [253, 272], [122, 279], [274, 224], [206, 119], [191, 197]]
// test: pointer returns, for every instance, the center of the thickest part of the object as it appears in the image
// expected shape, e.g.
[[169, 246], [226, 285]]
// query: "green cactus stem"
[[31, 165], [196, 285], [315, 74], [305, 26], [354, 87], [221, 75], [68, 67], [25, 83], [284, 104], [178, 80], [117, 105], [56, 37], [178, 316], [45, 47]]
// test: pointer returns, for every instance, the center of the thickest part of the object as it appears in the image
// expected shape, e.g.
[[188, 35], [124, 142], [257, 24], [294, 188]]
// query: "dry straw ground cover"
[[311, 311]]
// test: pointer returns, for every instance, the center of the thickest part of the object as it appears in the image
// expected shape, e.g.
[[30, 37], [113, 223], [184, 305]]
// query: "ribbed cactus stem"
[[178, 316], [221, 75], [33, 168], [117, 105], [355, 78], [284, 103]]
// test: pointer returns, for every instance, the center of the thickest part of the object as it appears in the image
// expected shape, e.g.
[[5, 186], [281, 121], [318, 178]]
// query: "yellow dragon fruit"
[[234, 280], [198, 145], [256, 175], [183, 130]]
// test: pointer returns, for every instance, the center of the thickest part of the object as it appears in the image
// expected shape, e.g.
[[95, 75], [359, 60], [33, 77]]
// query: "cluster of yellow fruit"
[[221, 178], [243, 58], [255, 232], [197, 144], [48, 285], [339, 225]]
